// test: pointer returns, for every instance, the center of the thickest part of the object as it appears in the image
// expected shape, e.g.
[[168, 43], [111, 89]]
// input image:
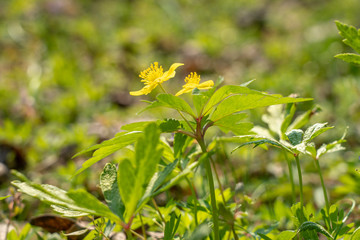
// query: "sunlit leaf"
[[237, 103], [110, 189], [134, 176]]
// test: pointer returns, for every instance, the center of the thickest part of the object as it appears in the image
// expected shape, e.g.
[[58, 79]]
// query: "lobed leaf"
[[349, 57], [308, 226], [351, 35], [314, 131]]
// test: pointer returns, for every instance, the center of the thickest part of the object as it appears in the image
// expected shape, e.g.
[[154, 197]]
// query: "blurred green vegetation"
[[66, 68]]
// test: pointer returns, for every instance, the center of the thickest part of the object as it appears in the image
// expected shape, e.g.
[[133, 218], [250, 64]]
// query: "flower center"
[[152, 73], [192, 78]]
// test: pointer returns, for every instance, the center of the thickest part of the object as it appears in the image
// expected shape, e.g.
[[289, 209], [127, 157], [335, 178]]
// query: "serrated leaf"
[[314, 131], [133, 177], [259, 140], [308, 226], [169, 125], [351, 35], [349, 57], [107, 148], [237, 103], [110, 189], [174, 102]]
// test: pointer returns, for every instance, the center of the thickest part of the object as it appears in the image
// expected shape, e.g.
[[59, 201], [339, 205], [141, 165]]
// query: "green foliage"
[[352, 38], [72, 203], [110, 189], [107, 148], [133, 176]]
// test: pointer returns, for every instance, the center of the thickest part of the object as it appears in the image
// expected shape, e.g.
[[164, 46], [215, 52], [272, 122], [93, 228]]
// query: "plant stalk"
[[300, 181], [192, 188], [212, 191], [327, 202], [291, 176]]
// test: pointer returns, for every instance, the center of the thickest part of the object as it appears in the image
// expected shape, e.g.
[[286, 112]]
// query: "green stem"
[[142, 227], [195, 200], [291, 176], [212, 190], [218, 180], [129, 234], [327, 203], [158, 210], [300, 181]]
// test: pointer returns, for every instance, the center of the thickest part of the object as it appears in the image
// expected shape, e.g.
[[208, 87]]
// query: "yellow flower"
[[193, 81], [154, 76]]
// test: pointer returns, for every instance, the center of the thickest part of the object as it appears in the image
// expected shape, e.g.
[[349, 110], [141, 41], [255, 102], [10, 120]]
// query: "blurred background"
[[66, 68]]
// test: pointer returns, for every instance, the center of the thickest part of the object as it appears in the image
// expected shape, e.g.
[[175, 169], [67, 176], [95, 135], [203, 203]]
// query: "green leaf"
[[107, 148], [263, 236], [179, 144], [237, 103], [136, 126], [295, 136], [169, 125], [303, 119], [308, 226], [85, 200], [134, 176], [356, 234], [156, 181], [178, 177], [2, 198], [199, 100], [201, 232], [224, 92], [351, 35], [110, 189], [171, 227], [314, 131], [174, 102], [287, 120], [259, 140], [231, 123], [76, 201], [286, 235], [349, 57]]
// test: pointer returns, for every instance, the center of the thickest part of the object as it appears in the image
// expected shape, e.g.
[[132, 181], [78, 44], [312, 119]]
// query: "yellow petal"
[[206, 85], [144, 91], [182, 91], [170, 73]]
